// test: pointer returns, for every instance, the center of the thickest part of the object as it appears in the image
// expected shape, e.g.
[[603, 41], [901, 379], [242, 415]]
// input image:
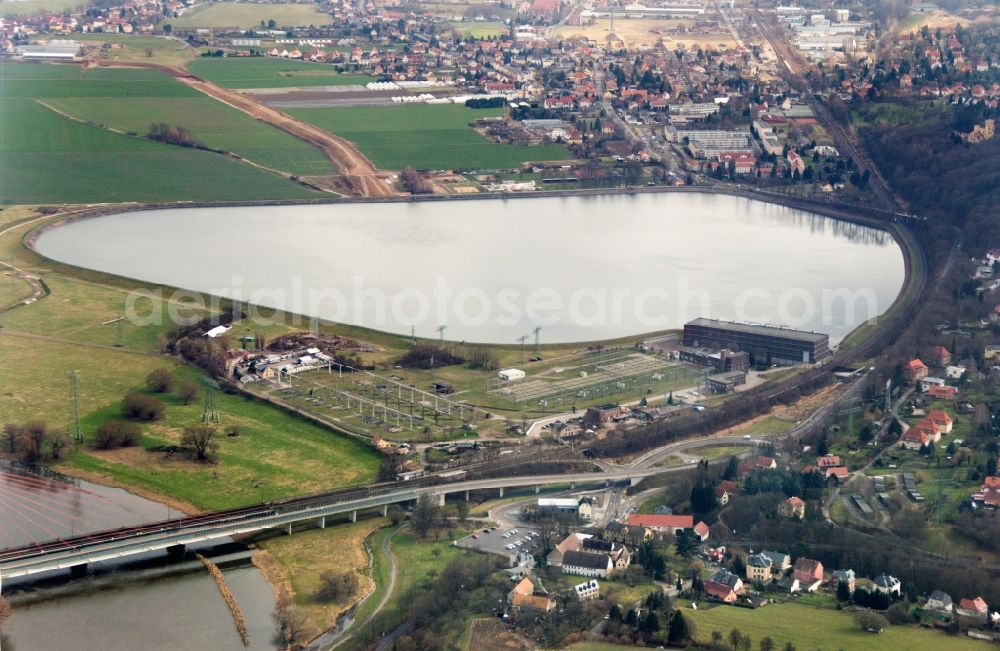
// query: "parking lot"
[[501, 540]]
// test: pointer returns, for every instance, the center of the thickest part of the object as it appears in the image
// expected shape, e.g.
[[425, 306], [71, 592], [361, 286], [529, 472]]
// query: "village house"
[[845, 576], [941, 420], [914, 438], [523, 597], [828, 461], [914, 371], [780, 562], [793, 507], [886, 584], [587, 590], [668, 524], [724, 586], [587, 564], [616, 557], [758, 568], [989, 493], [764, 463], [942, 392], [572, 542], [840, 473], [954, 372], [929, 382], [725, 490], [975, 609], [940, 356], [808, 573], [939, 601]]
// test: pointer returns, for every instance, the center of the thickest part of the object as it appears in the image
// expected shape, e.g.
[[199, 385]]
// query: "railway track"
[[795, 77]]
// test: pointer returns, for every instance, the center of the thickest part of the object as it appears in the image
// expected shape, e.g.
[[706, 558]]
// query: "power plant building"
[[770, 344]]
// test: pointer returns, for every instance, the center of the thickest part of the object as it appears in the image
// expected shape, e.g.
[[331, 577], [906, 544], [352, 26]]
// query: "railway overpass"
[[173, 535]]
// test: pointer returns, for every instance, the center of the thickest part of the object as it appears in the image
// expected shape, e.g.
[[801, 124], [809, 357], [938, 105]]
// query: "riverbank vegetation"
[[303, 559]]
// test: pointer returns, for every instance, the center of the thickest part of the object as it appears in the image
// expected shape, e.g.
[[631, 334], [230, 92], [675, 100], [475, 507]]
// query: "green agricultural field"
[[46, 157], [818, 629], [211, 123], [260, 72], [246, 15], [425, 136], [12, 8]]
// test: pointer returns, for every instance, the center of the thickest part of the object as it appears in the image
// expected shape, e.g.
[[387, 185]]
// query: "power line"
[[74, 408]]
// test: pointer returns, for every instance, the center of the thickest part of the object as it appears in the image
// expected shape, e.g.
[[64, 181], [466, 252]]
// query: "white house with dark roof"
[[886, 584], [587, 564], [587, 590], [939, 601]]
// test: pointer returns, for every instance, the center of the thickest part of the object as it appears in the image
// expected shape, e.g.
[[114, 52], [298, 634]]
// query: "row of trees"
[[34, 441]]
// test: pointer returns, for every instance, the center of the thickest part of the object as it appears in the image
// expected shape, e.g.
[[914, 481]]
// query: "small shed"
[[511, 374]]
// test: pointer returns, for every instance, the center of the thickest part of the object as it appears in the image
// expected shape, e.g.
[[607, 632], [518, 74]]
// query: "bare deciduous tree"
[[57, 443], [31, 440], [200, 439], [187, 391]]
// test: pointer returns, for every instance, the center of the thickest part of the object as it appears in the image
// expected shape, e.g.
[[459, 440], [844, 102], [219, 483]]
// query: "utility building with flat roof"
[[770, 344]]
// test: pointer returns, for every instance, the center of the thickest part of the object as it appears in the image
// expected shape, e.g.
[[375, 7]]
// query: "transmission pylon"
[[440, 330], [120, 331], [522, 339], [74, 408], [210, 414]]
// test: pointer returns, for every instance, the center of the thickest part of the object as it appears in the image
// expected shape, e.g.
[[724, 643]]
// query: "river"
[[582, 268], [145, 605]]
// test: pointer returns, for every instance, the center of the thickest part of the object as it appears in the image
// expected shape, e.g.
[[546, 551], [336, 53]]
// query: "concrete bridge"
[[173, 535]]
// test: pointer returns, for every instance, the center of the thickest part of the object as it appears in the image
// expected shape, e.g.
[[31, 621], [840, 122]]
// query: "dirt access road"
[[359, 175]]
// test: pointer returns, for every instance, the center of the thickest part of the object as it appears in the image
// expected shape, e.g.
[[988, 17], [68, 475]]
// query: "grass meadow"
[[13, 8], [425, 136], [818, 629], [247, 15]]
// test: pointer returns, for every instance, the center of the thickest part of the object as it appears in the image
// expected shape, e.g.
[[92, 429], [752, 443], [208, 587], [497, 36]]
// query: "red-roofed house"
[[914, 371], [793, 507], [940, 356], [973, 608], [662, 524], [720, 591], [941, 419], [796, 163], [808, 573], [829, 461], [930, 427], [764, 463], [839, 473], [942, 392], [914, 439], [989, 494]]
